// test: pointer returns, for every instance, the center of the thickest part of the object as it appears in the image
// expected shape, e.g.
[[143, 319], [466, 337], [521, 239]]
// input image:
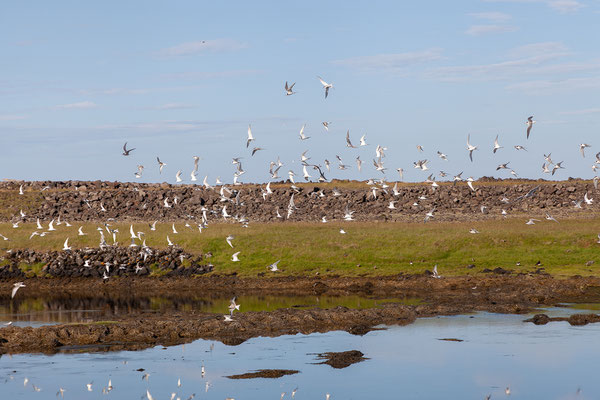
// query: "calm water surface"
[[409, 362]]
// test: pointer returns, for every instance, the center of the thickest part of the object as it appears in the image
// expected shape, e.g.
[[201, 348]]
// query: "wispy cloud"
[[584, 111], [11, 117], [478, 30], [394, 62], [174, 106], [562, 6], [80, 105], [565, 6], [532, 59], [213, 75], [495, 16], [542, 87], [203, 46]]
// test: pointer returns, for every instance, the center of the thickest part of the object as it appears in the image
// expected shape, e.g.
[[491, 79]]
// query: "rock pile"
[[99, 201], [104, 263]]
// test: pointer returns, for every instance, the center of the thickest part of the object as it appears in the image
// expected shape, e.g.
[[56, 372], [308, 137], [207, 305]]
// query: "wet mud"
[[136, 329], [341, 359], [264, 373]]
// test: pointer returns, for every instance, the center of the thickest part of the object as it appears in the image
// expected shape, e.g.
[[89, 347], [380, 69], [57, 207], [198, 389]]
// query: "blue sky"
[[184, 78]]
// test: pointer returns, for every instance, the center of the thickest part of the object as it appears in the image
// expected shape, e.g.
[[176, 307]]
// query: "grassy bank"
[[367, 248]]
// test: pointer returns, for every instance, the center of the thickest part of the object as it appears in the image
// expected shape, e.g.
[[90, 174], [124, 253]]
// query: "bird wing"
[[326, 91]]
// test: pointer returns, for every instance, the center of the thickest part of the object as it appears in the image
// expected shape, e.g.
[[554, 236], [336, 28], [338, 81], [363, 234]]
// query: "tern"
[[362, 140], [196, 160], [228, 318], [529, 124], [442, 156], [16, 287], [138, 174], [302, 135], [250, 137], [532, 221], [587, 200], [166, 203], [519, 147], [173, 228], [228, 239], [178, 176], [473, 230], [66, 246], [550, 218], [125, 151], [435, 273], [558, 165], [254, 150], [169, 243], [582, 147], [470, 147], [51, 226], [343, 232], [502, 166], [359, 163], [273, 267], [470, 181], [420, 148], [289, 90], [326, 125], [326, 86], [348, 142], [39, 225], [21, 190], [153, 226], [161, 165], [234, 257], [496, 145]]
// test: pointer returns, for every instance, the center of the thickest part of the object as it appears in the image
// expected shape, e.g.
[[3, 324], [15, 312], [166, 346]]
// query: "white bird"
[[161, 165], [582, 147], [587, 200], [66, 246], [529, 124], [531, 221], [442, 156], [496, 145], [326, 125], [470, 181], [435, 273], [80, 231], [473, 230], [178, 176], [470, 147], [348, 142], [234, 257], [362, 140], [89, 386], [166, 203], [39, 225], [250, 137], [138, 174], [273, 267], [228, 239], [326, 86], [343, 232], [193, 176], [550, 218], [21, 190], [153, 226], [169, 241], [16, 287], [228, 318], [302, 136], [51, 226]]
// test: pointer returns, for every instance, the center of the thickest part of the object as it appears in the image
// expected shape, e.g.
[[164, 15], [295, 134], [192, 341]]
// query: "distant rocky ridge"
[[104, 263], [83, 201]]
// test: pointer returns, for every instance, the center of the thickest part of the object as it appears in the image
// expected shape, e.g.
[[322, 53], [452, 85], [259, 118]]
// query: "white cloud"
[[562, 6], [495, 16], [478, 30], [81, 104], [11, 117], [545, 86], [541, 48], [203, 46], [390, 62], [565, 6], [582, 112], [174, 106]]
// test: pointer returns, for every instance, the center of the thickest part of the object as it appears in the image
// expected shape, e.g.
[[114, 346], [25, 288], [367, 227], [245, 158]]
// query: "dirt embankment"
[[447, 296], [99, 201]]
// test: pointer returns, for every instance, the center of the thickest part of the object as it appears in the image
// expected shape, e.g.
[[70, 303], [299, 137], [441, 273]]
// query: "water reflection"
[[537, 362], [35, 311]]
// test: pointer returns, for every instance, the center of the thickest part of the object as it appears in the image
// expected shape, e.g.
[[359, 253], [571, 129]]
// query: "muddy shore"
[[502, 293]]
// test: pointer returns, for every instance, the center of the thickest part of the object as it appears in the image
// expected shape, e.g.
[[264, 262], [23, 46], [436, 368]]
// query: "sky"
[[183, 78]]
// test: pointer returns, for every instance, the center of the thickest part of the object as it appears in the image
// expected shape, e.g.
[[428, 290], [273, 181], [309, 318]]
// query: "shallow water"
[[37, 311], [410, 362]]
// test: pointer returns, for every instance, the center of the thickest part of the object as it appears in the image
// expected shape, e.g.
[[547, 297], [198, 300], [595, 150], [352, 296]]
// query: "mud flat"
[[501, 293]]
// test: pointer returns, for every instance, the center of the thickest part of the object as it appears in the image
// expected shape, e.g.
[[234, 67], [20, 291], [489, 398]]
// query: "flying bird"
[[326, 86], [125, 151], [161, 165], [16, 287], [470, 147], [496, 145], [582, 147], [250, 137], [529, 124], [289, 90]]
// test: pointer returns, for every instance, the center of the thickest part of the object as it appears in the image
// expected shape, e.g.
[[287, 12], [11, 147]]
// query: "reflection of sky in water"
[[408, 362]]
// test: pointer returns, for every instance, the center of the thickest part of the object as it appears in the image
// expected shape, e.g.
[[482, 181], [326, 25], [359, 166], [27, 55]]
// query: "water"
[[38, 311], [409, 362]]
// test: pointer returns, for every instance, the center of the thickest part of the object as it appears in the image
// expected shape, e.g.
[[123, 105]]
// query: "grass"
[[370, 248]]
